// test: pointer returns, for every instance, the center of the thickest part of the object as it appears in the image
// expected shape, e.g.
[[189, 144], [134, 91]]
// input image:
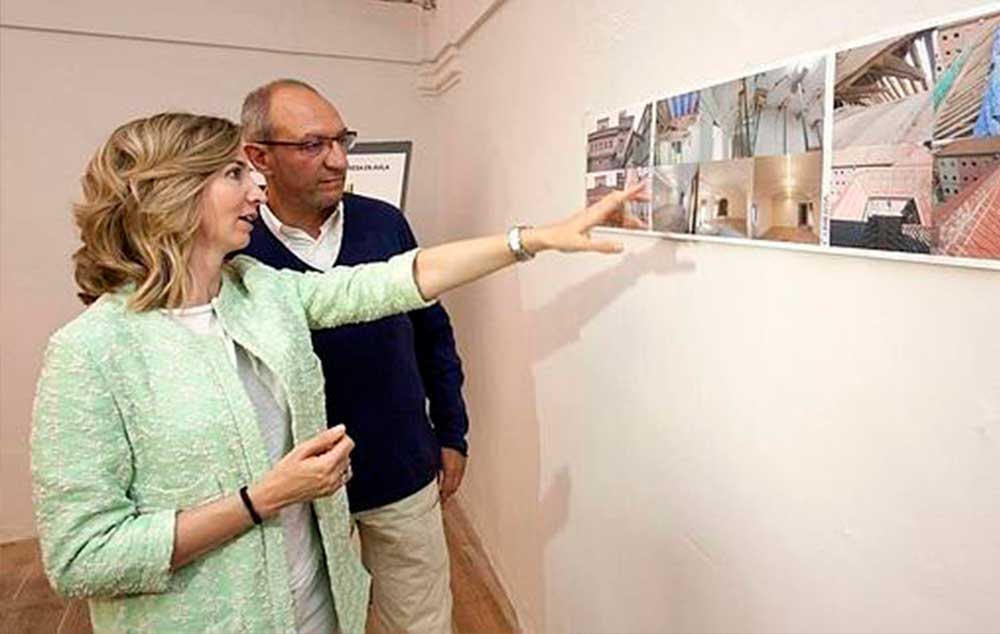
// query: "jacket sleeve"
[[94, 542], [440, 366], [348, 294]]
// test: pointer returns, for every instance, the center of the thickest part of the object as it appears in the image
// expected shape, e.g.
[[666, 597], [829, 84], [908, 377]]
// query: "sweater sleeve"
[[349, 294], [440, 365], [94, 541]]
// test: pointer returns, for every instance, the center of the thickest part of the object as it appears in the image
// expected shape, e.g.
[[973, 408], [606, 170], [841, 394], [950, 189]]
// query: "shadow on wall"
[[558, 323], [553, 326], [501, 393]]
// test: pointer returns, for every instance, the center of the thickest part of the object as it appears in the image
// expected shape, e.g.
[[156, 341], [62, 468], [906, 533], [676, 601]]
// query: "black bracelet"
[[247, 503]]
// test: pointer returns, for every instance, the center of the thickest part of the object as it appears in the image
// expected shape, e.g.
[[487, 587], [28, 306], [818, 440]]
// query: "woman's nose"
[[256, 194]]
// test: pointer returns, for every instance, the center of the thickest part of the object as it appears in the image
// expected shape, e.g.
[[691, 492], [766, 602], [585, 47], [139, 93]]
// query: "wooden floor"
[[28, 605], [802, 235]]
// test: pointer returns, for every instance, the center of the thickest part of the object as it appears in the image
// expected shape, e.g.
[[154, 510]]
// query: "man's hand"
[[452, 470]]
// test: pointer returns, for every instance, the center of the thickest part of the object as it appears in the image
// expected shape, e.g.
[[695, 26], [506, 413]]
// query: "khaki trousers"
[[404, 549]]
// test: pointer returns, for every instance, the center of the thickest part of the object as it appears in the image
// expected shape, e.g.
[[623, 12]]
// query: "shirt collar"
[[279, 228]]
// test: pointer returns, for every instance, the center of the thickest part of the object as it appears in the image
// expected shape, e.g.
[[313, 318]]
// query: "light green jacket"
[[136, 417]]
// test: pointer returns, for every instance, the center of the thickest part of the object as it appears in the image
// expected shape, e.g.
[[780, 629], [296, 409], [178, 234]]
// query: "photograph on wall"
[[680, 130], [779, 111], [674, 193], [881, 198], [637, 213], [619, 140], [725, 193], [882, 124], [786, 197], [618, 155], [966, 138]]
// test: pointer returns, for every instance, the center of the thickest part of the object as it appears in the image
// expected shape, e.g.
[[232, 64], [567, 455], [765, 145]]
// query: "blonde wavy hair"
[[140, 211]]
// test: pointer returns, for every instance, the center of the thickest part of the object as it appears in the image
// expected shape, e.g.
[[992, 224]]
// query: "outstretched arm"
[[442, 268]]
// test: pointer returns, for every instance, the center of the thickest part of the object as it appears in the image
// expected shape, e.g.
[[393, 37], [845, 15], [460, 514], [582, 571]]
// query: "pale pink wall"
[[633, 467], [354, 28], [61, 94], [640, 461]]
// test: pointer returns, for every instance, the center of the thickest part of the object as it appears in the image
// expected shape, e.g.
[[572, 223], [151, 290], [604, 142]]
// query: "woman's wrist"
[[535, 240], [265, 499]]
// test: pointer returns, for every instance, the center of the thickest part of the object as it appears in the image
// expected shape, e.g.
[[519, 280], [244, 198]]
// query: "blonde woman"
[[184, 476]]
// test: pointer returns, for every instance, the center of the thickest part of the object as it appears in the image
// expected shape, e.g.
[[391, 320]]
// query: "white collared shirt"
[[319, 253], [314, 607]]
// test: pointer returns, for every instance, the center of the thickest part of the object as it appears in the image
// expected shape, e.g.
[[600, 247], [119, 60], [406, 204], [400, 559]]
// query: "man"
[[379, 376]]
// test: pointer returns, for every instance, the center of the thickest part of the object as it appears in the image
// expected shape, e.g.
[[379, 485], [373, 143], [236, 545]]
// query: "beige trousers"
[[403, 547]]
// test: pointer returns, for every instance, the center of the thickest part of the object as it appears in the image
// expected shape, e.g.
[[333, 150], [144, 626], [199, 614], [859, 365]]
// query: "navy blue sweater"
[[381, 375]]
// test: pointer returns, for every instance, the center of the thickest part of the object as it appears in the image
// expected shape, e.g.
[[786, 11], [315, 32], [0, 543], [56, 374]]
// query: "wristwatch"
[[516, 246]]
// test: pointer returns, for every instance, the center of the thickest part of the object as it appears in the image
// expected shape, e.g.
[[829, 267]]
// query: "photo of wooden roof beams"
[[775, 112], [618, 155], [880, 196], [966, 139]]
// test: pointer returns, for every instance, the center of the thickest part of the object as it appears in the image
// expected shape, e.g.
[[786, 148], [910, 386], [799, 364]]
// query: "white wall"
[[632, 466], [62, 93]]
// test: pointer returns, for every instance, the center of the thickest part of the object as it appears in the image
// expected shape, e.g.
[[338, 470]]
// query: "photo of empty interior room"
[[725, 191], [775, 112], [966, 138], [674, 191], [786, 197], [882, 122]]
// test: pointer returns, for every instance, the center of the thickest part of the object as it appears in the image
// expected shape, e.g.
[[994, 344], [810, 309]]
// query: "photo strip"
[[913, 154]]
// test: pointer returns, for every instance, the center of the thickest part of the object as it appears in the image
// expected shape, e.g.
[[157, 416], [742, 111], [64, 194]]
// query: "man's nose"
[[336, 158]]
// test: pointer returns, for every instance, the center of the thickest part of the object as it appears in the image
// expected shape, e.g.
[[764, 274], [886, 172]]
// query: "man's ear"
[[259, 157]]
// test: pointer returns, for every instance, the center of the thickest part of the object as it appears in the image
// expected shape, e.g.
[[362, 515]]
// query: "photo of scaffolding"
[[775, 112], [966, 139], [681, 132], [786, 198], [675, 190], [882, 122], [618, 155]]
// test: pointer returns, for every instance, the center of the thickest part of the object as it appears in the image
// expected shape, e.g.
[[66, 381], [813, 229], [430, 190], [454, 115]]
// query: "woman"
[[184, 477]]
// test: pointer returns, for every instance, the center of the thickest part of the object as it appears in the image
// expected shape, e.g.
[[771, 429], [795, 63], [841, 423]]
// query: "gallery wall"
[[700, 436], [688, 437], [69, 75]]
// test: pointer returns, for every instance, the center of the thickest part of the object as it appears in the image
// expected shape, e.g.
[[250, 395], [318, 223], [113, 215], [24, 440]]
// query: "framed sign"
[[380, 169]]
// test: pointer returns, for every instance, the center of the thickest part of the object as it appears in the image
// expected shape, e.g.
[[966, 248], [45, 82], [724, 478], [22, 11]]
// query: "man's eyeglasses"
[[316, 145]]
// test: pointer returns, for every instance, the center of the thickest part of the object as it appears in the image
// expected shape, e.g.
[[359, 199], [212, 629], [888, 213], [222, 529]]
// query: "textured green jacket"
[[136, 417]]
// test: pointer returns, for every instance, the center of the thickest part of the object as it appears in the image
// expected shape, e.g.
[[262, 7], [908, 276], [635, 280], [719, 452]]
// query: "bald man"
[[382, 378]]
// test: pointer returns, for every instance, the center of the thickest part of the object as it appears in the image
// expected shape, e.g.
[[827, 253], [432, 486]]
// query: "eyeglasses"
[[316, 144]]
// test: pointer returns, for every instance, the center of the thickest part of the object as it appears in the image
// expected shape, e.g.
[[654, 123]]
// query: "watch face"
[[514, 240]]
